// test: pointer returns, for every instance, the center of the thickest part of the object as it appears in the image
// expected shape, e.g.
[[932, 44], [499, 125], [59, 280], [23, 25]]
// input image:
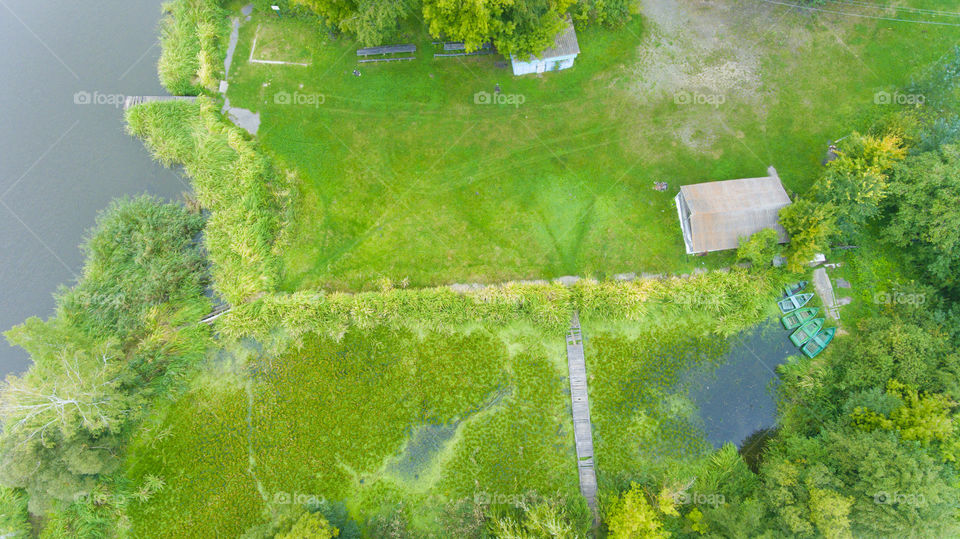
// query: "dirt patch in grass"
[[704, 47]]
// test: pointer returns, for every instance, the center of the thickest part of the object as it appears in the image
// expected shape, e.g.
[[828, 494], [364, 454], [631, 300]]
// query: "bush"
[[609, 13], [232, 179], [726, 303], [193, 38], [759, 249], [810, 226], [141, 254], [14, 519]]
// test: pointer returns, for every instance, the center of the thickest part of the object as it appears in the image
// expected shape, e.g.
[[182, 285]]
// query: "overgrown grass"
[[721, 302], [193, 36], [405, 177], [311, 432], [245, 195], [641, 422]]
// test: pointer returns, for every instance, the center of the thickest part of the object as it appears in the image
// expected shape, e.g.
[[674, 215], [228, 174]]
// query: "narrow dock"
[[134, 100], [582, 429]]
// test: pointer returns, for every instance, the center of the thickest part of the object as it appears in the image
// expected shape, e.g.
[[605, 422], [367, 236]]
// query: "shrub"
[[810, 226], [193, 38], [759, 249], [141, 254], [233, 180]]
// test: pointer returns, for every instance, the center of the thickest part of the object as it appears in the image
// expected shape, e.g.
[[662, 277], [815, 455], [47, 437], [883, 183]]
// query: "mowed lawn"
[[403, 175]]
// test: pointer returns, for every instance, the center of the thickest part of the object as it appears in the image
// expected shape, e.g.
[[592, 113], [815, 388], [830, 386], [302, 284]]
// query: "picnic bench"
[[385, 51], [486, 48]]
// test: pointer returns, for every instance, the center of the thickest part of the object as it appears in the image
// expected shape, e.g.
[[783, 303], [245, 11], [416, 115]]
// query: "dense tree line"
[[121, 337], [512, 26]]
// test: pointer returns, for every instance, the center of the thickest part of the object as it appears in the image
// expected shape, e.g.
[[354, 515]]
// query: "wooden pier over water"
[[134, 100], [582, 429]]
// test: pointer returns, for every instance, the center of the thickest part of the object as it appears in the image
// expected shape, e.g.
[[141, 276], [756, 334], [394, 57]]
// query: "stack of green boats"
[[808, 334]]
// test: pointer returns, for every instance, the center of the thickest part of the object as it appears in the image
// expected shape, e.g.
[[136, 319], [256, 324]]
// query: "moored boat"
[[794, 288], [797, 318], [819, 341], [794, 302], [806, 332]]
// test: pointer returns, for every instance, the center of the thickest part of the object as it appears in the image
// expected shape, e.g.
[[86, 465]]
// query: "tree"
[[810, 226], [830, 513], [856, 182], [890, 347], [759, 249], [518, 27], [371, 21], [632, 516], [609, 13], [923, 417], [925, 193], [65, 417], [875, 482]]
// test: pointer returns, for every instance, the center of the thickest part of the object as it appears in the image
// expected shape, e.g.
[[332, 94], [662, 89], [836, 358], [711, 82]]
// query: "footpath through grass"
[[403, 174]]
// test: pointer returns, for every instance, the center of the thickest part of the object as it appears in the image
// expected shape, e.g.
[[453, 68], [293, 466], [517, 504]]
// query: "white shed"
[[560, 56]]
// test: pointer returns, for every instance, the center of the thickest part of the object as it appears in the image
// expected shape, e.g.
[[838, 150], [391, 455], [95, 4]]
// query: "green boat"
[[794, 288], [796, 318], [820, 341], [806, 331], [793, 302]]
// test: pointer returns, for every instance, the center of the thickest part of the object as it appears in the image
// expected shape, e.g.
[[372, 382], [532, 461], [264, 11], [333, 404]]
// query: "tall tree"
[[371, 21], [514, 26], [925, 193]]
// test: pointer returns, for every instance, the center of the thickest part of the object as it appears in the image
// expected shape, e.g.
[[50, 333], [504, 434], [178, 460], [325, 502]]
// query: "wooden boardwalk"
[[582, 429], [134, 100]]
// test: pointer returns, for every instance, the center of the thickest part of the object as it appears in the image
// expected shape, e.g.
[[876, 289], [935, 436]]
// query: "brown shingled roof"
[[715, 215]]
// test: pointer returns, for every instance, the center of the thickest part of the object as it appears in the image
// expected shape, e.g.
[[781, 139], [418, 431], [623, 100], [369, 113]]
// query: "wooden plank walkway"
[[134, 100], [582, 429]]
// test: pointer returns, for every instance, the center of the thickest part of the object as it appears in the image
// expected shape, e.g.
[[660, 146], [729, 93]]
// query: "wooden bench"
[[486, 48], [385, 51]]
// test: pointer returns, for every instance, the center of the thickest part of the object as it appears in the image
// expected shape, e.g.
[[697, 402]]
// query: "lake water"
[[62, 162], [736, 398]]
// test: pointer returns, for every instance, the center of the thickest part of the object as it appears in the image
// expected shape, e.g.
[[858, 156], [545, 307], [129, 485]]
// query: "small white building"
[[560, 56]]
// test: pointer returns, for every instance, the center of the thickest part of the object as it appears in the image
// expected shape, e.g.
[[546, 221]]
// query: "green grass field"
[[402, 175]]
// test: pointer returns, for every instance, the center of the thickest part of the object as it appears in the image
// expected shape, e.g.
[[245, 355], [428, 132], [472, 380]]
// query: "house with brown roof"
[[560, 56], [714, 216]]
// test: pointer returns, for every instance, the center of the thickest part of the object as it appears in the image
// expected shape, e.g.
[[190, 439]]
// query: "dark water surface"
[[61, 162], [736, 398]]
